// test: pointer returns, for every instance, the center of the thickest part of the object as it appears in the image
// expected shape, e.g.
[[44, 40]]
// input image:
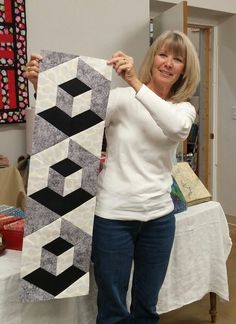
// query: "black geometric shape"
[[66, 167], [70, 125], [74, 87], [54, 284], [58, 204], [58, 246]]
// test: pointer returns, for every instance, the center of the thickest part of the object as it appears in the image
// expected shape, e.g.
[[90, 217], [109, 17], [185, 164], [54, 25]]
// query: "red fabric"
[[14, 239], [4, 220], [15, 226], [6, 54], [8, 11], [6, 38], [12, 88], [12, 229], [1, 103]]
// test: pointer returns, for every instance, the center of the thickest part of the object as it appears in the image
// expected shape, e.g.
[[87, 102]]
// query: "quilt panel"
[[13, 58], [69, 122]]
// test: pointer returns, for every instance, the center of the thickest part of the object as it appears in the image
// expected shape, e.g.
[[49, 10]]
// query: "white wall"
[[220, 5], [85, 27], [227, 125], [88, 27], [12, 141]]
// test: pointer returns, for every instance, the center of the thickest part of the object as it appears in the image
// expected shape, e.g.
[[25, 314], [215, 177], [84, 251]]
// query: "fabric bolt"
[[4, 208], [191, 186], [67, 141], [4, 220], [13, 58], [16, 226], [178, 199], [11, 211]]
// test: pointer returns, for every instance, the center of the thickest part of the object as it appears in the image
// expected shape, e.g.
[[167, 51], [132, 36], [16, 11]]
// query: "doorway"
[[198, 147]]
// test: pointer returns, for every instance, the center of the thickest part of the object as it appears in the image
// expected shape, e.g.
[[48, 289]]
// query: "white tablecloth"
[[198, 261], [197, 266]]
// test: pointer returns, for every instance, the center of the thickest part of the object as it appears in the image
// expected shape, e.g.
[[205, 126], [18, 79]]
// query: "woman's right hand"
[[32, 69], [124, 66]]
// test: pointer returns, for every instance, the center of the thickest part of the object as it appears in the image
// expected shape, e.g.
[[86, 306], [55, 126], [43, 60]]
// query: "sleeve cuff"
[[141, 91]]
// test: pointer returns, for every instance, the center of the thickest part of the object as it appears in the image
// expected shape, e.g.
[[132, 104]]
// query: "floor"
[[198, 312]]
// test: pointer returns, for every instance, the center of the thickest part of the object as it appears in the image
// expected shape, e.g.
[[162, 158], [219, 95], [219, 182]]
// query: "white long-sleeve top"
[[143, 132]]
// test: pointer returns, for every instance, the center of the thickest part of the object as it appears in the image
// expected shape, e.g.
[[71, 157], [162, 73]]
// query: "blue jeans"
[[116, 244]]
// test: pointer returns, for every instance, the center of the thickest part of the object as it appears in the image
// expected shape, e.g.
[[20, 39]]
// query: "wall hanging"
[[71, 105], [13, 58]]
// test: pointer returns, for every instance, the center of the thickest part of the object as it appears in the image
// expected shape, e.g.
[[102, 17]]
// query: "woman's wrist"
[[136, 84]]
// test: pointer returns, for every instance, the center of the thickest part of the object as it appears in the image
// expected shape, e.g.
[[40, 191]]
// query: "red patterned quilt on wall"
[[13, 58]]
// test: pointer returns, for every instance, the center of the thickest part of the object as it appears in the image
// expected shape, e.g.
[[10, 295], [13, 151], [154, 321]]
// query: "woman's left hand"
[[124, 66]]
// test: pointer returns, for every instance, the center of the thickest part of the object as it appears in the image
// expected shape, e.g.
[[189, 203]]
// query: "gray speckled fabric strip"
[[98, 83], [80, 155], [31, 293], [56, 181], [45, 216], [52, 59], [64, 101], [49, 262], [82, 242], [47, 133], [89, 179]]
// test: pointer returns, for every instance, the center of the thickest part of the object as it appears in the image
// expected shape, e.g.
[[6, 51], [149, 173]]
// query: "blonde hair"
[[178, 43]]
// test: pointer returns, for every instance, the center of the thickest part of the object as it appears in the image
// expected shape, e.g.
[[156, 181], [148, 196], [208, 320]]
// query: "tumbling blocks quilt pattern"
[[69, 122], [13, 58]]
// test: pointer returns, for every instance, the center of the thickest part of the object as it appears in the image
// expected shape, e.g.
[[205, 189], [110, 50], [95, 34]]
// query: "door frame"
[[210, 96], [215, 80]]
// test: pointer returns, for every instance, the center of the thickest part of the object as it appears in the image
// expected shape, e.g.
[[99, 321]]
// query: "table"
[[197, 266]]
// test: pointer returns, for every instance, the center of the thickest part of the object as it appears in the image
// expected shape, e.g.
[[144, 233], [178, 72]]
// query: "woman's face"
[[167, 68]]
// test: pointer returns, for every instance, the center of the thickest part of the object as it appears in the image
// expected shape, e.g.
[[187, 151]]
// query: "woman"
[[134, 220]]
